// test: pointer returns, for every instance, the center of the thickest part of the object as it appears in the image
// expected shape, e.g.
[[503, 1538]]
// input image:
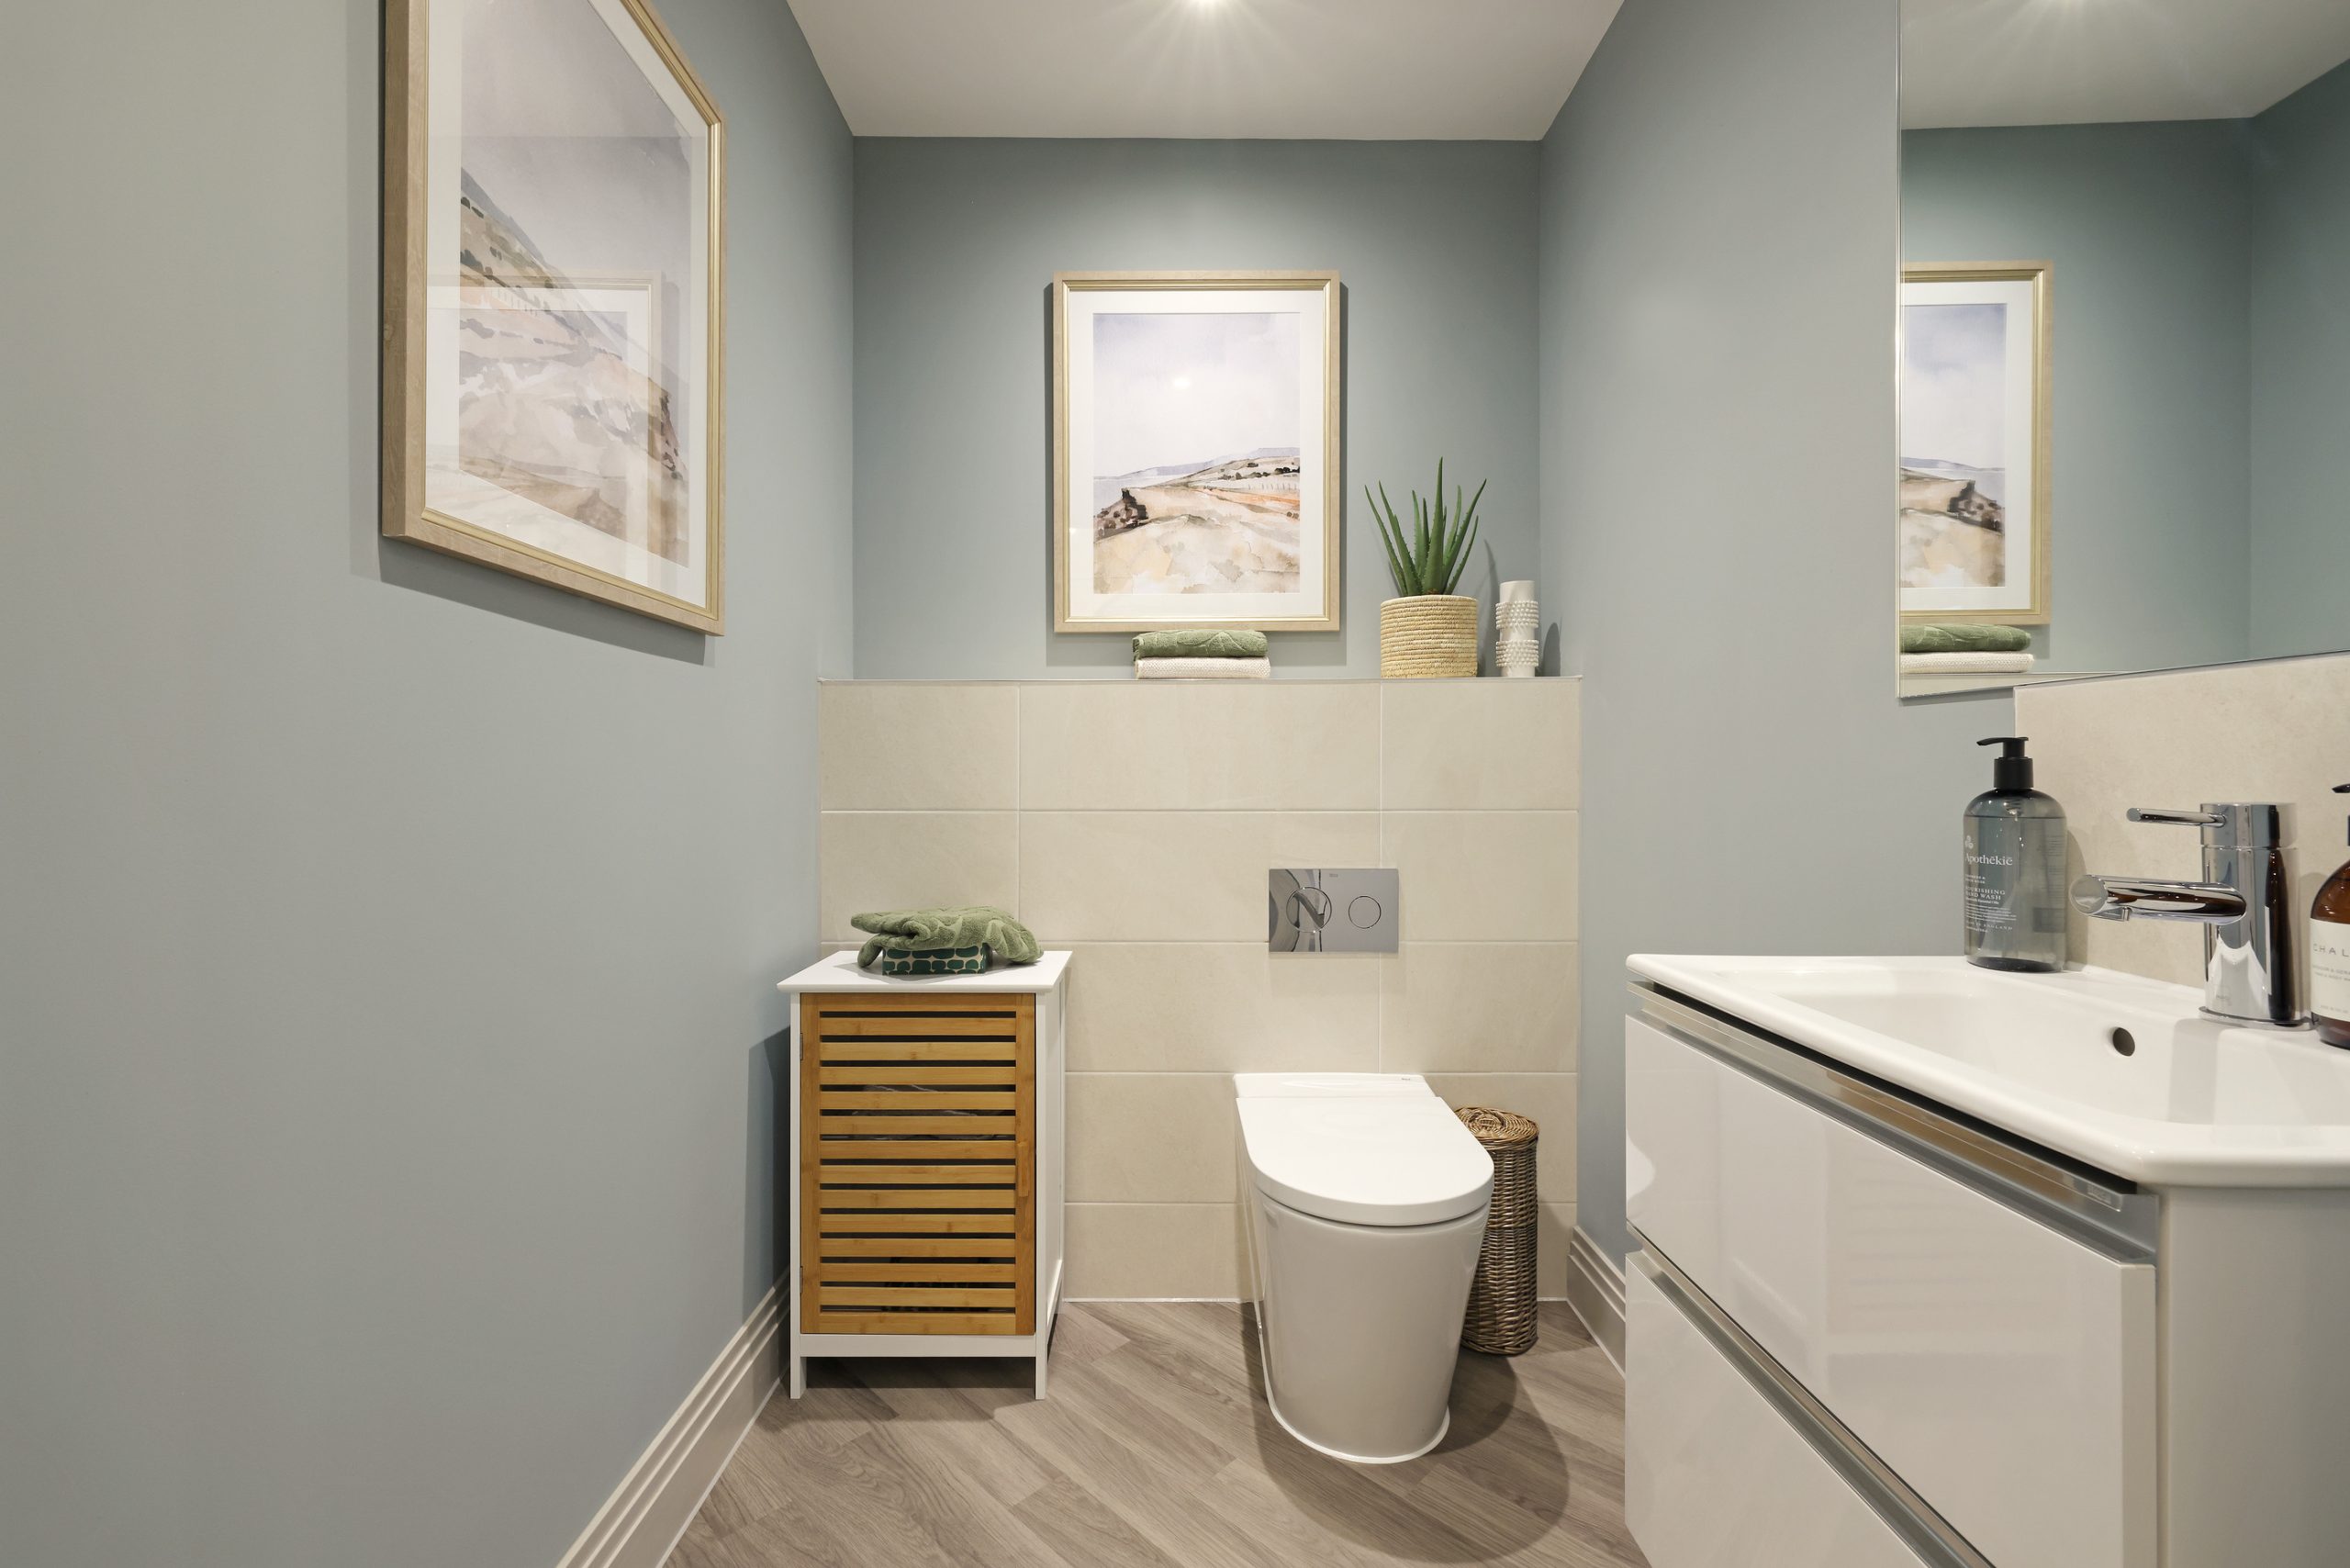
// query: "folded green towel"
[[917, 930], [1201, 643], [1966, 638], [935, 961]]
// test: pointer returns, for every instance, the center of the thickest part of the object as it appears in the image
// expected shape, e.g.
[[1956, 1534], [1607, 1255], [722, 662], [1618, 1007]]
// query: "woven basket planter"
[[1502, 1314], [1430, 634]]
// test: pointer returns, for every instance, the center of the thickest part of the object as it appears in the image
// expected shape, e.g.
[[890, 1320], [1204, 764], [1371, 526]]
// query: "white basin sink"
[[2118, 1071]]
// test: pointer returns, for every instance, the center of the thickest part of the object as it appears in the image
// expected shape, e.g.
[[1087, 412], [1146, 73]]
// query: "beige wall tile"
[[1476, 876], [1152, 1137], [1270, 745], [2252, 732], [1172, 990], [1548, 1097], [1481, 745], [1479, 1007], [1220, 1007], [945, 746], [912, 860], [1173, 876], [1554, 1228], [1136, 1251]]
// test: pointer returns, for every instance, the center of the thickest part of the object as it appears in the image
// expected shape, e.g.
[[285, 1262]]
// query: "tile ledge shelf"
[[1207, 681]]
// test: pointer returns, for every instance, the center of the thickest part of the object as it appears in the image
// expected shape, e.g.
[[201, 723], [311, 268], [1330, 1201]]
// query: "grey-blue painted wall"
[[1720, 261], [957, 244], [2149, 228], [2300, 425], [386, 958]]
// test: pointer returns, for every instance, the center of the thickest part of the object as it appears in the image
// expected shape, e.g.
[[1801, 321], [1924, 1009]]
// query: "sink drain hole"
[[2124, 1042]]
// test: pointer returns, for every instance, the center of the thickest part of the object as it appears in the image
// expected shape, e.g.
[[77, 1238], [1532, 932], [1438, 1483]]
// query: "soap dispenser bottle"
[[2330, 955], [2015, 904]]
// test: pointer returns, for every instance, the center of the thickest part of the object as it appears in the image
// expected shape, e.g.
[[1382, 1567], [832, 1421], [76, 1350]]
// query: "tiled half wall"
[[2274, 731], [1134, 821]]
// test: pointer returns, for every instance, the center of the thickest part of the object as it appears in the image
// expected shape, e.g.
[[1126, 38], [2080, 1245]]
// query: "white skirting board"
[[1596, 1290], [641, 1521]]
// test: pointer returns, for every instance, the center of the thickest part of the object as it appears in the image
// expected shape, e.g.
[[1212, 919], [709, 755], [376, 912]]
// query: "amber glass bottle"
[[2330, 954]]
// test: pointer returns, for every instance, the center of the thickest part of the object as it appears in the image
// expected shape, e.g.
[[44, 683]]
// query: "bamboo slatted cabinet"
[[926, 1168]]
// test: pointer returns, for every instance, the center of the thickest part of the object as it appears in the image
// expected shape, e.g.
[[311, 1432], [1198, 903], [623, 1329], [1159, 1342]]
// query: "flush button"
[[1325, 911]]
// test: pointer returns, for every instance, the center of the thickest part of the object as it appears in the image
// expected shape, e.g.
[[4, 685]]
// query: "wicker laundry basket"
[[1501, 1320]]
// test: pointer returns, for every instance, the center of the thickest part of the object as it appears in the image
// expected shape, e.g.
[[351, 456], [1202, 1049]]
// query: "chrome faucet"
[[2252, 970]]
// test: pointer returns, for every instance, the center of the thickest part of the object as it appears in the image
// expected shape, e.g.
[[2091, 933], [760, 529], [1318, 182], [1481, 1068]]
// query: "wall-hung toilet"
[[1363, 1201]]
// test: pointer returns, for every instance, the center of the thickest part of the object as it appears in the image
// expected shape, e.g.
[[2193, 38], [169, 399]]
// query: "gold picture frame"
[[410, 289], [2037, 378], [1316, 480]]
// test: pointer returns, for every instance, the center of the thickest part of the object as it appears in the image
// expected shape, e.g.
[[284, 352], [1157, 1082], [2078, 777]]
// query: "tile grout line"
[[1333, 960], [1127, 681], [1019, 810], [1371, 811], [1379, 1044], [1565, 1204], [1226, 1072], [1360, 960]]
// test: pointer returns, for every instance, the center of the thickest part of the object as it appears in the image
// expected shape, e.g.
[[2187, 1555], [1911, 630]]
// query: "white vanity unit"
[[1942, 1266], [926, 1163]]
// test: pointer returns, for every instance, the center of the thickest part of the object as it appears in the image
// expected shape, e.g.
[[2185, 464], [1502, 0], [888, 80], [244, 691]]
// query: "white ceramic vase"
[[1517, 630]]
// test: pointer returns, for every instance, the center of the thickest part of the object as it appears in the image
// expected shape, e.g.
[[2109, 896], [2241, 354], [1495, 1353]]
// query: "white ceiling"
[[1404, 70], [2083, 61]]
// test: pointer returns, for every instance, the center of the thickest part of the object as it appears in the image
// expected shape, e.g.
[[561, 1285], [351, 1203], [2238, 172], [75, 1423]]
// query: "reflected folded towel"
[[1964, 638], [1966, 664], [1203, 669], [927, 930], [1201, 643]]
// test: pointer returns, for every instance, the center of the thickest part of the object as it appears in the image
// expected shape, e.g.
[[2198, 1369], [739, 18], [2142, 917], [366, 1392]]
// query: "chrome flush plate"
[[1332, 912]]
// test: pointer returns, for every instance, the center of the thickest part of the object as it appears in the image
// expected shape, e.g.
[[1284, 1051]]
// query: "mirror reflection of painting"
[[1954, 452], [1197, 424]]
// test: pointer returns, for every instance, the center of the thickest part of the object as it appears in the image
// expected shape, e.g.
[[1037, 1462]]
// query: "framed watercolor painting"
[[1195, 451], [554, 254], [1975, 442]]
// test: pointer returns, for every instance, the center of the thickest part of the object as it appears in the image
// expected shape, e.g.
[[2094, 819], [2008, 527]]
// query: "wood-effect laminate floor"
[[1155, 1450]]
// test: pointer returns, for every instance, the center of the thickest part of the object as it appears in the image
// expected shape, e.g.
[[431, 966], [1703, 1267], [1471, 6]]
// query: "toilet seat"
[[1362, 1150]]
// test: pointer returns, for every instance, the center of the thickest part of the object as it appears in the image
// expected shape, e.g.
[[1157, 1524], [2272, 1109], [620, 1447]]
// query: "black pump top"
[[2012, 770]]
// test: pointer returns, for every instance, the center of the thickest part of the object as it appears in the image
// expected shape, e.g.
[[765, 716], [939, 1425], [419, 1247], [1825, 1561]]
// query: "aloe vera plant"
[[1428, 555]]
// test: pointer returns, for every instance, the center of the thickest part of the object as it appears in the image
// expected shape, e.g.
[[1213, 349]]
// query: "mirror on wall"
[[2125, 337]]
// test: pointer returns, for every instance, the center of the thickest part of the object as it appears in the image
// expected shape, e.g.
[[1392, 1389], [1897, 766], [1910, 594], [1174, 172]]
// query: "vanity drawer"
[[2004, 1368], [1715, 1472]]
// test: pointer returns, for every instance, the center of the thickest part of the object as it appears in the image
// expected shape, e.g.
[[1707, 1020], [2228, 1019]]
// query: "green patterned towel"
[[926, 930], [935, 961], [1201, 644], [1967, 638]]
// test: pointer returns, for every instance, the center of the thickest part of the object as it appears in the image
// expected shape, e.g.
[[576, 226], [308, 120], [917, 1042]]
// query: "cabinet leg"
[[795, 1372], [1040, 1376]]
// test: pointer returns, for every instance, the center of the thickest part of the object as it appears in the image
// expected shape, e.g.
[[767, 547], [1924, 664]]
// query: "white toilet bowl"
[[1364, 1202]]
